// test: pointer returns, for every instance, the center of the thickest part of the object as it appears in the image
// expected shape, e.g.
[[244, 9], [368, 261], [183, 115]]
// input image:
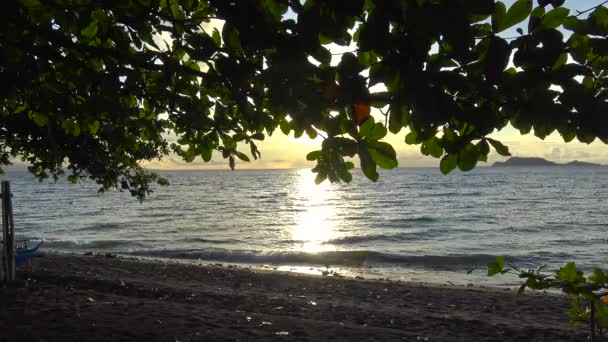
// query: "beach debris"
[[359, 278], [265, 323], [312, 303], [419, 338], [159, 322], [248, 319], [110, 255], [282, 333], [278, 308], [89, 253], [91, 300]]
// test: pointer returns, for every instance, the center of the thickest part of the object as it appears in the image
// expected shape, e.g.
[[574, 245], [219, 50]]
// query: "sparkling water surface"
[[413, 224]]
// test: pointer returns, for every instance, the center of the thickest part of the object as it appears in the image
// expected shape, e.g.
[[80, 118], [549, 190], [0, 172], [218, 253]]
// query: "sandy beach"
[[93, 298]]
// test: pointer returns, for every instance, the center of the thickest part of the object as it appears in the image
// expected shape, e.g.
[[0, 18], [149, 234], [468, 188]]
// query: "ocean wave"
[[352, 258], [356, 239], [108, 245], [451, 194]]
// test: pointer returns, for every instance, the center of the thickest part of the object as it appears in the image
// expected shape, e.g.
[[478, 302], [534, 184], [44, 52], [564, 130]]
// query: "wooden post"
[[9, 232]]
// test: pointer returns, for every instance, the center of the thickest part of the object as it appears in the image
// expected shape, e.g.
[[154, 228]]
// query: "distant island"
[[522, 161]]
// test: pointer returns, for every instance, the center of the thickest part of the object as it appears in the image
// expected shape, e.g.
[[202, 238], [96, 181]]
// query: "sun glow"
[[314, 224]]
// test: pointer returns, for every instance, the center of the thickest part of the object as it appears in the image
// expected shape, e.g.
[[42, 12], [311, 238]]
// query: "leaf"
[[432, 147], [366, 128], [217, 39], [90, 31], [412, 138], [242, 156], [314, 155], [206, 153], [378, 132], [468, 157], [497, 266], [258, 136], [94, 127], [368, 166], [361, 112], [232, 38], [499, 147], [311, 132], [384, 155], [499, 16], [554, 18], [448, 163], [568, 273], [517, 13], [39, 119]]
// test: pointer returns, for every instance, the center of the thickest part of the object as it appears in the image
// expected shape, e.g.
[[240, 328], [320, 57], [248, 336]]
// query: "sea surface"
[[414, 224]]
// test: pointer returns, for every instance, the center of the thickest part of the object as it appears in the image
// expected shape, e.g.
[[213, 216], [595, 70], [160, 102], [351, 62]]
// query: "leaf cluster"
[[100, 87], [589, 293]]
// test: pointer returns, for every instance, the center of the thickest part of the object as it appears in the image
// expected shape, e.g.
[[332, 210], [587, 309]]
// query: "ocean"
[[414, 224]]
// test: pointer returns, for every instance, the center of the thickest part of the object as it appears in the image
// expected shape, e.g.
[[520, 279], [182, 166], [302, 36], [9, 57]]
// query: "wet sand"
[[91, 298]]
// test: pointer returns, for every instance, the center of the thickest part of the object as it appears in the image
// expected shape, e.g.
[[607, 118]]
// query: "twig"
[[579, 13], [341, 53]]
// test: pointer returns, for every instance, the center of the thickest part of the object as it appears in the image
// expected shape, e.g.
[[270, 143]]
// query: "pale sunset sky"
[[280, 151]]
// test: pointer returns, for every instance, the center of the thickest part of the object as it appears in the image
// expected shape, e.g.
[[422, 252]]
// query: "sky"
[[280, 151]]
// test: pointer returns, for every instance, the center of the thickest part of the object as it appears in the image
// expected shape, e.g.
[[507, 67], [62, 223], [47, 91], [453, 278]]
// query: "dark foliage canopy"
[[97, 87]]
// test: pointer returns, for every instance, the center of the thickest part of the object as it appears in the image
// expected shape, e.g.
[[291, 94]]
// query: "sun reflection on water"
[[314, 223]]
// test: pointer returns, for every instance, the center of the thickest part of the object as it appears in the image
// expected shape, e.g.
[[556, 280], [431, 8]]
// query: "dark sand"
[[88, 298]]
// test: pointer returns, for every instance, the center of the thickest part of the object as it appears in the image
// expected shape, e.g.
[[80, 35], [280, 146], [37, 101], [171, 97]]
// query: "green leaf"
[[368, 166], [217, 38], [468, 157], [568, 273], [285, 126], [90, 31], [367, 58], [258, 136], [94, 127], [496, 267], [448, 163], [378, 132], [499, 16], [206, 153], [232, 38], [412, 138], [517, 13], [561, 60], [311, 132], [31, 3], [314, 155], [39, 119], [599, 277], [384, 155], [367, 127], [499, 147], [554, 18], [242, 156], [432, 147]]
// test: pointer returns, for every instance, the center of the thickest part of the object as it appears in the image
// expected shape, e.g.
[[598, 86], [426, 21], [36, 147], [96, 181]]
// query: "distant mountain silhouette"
[[522, 161]]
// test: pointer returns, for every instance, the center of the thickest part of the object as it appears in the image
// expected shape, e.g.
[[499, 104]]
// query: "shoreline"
[[92, 298]]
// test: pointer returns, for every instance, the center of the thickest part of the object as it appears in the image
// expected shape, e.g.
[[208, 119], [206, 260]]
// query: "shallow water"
[[414, 224]]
